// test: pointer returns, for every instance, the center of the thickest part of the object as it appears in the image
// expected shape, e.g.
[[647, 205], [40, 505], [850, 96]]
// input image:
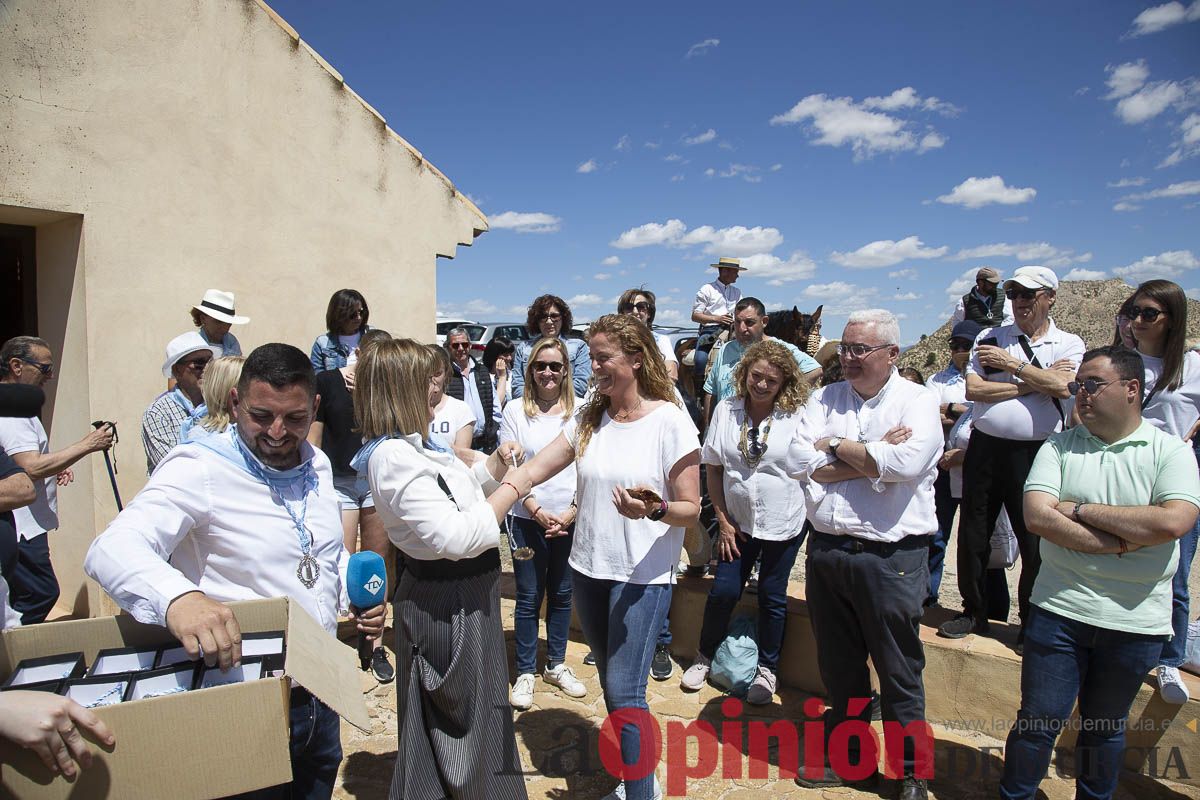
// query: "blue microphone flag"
[[366, 580]]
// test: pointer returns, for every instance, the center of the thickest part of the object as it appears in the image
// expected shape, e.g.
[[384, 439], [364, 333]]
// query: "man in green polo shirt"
[[1109, 498]]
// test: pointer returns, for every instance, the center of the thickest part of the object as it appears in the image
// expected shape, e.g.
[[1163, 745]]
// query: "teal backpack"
[[736, 661]]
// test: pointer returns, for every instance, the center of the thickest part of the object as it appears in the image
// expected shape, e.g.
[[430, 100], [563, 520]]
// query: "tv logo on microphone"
[[374, 584]]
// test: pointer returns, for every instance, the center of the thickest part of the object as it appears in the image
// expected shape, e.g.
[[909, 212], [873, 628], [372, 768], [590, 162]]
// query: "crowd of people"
[[266, 472]]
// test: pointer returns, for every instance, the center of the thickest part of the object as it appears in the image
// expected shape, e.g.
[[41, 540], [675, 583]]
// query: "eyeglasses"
[[960, 345], [1147, 314], [459, 345], [755, 449], [45, 369], [1022, 294], [859, 350], [554, 366], [643, 306], [1091, 386], [550, 317]]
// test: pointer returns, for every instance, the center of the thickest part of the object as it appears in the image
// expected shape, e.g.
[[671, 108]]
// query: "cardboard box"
[[189, 745]]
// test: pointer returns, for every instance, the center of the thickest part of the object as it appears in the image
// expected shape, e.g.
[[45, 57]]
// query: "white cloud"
[[1084, 275], [1125, 183], [1149, 101], [1158, 18], [710, 172], [526, 222], [1016, 220], [907, 274], [869, 127], [776, 167], [702, 48], [1125, 206], [1189, 140], [611, 261], [652, 146], [588, 166], [885, 253], [747, 172], [701, 138], [601, 276], [979, 192], [828, 290], [674, 157], [1027, 252], [841, 298], [733, 241], [962, 284], [676, 179], [585, 300], [907, 296], [776, 271], [1125, 79], [1182, 189], [623, 145], [1164, 265]]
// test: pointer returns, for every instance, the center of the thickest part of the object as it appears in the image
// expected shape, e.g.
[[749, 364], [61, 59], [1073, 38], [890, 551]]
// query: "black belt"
[[444, 569], [852, 544]]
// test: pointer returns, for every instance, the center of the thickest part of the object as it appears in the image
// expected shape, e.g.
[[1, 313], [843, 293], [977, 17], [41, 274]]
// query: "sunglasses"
[[459, 345], [755, 448], [45, 369], [550, 317], [1022, 294], [1091, 386], [859, 350], [1147, 314], [554, 366], [643, 306], [960, 345], [197, 364]]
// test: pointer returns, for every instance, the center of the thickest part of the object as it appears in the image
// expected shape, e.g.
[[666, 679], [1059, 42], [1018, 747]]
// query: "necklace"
[[624, 415], [749, 445]]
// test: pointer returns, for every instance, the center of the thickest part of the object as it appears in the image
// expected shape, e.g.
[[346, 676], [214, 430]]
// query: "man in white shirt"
[[1017, 379], [248, 513], [28, 360], [713, 309], [470, 382], [868, 448]]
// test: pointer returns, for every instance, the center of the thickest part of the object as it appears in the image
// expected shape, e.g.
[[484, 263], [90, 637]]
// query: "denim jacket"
[[329, 353], [578, 354]]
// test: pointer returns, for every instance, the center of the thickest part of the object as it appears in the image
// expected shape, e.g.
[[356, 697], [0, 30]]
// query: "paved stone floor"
[[557, 742]]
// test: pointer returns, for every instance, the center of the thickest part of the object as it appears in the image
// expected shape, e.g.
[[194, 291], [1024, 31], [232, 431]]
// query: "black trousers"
[[994, 474], [868, 602]]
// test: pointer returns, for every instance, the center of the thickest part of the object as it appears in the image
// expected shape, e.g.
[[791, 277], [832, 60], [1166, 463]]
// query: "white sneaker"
[[1171, 685], [562, 677], [762, 690], [521, 696], [694, 677], [619, 792]]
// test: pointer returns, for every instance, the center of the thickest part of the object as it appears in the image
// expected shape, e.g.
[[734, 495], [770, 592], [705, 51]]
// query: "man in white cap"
[[1017, 379], [713, 309], [187, 356], [213, 317]]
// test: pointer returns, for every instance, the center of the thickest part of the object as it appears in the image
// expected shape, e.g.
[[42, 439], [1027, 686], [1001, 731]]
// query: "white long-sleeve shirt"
[[225, 534], [899, 502], [420, 519]]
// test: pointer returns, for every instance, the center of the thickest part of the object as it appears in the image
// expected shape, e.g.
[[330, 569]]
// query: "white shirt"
[[949, 385], [533, 434], [1031, 417], [1174, 412], [420, 519], [717, 298], [225, 533], [26, 435], [899, 502], [607, 545], [763, 501], [8, 617], [452, 417], [664, 346]]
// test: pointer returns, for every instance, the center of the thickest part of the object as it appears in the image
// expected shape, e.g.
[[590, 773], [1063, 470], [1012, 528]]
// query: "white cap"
[[1033, 278], [184, 345]]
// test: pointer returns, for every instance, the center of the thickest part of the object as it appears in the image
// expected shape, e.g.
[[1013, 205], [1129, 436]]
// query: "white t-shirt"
[[949, 385], [1174, 412], [451, 418], [533, 434], [26, 435], [762, 501], [664, 346], [607, 545]]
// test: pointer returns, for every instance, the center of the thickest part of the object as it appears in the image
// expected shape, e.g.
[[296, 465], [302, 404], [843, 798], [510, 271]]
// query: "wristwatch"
[[658, 513], [834, 444]]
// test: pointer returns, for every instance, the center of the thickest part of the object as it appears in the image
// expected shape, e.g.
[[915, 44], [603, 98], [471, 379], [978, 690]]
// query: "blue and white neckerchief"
[[308, 570], [182, 400], [360, 460], [191, 428]]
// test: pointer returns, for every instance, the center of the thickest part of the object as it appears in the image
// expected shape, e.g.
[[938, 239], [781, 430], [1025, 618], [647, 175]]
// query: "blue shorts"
[[353, 492]]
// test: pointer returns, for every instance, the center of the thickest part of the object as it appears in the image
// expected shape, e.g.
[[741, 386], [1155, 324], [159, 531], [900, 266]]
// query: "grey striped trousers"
[[455, 724]]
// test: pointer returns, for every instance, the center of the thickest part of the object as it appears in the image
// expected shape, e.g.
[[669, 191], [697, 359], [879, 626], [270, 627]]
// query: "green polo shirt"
[[1131, 592]]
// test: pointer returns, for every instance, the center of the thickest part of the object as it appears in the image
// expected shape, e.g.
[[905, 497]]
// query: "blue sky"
[[852, 154]]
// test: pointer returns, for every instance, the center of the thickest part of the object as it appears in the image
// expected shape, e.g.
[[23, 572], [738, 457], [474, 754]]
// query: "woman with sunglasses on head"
[[637, 458], [641, 303], [760, 510], [533, 422], [549, 316], [1157, 315], [345, 323]]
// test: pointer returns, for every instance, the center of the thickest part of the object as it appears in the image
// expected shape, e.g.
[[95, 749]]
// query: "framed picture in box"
[[46, 668], [251, 669], [118, 660], [53, 687], [267, 646], [97, 691], [164, 680], [172, 654]]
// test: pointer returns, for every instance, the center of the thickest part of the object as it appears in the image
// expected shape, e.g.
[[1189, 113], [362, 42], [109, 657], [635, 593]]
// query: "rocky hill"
[[1085, 308]]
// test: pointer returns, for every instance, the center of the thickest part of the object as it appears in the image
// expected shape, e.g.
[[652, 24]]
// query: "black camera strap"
[[1024, 340]]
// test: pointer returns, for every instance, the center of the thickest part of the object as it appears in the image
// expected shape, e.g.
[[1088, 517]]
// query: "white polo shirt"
[[1031, 417], [26, 435], [717, 298]]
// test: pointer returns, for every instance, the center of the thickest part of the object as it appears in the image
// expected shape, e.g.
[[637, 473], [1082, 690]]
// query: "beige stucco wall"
[[188, 144]]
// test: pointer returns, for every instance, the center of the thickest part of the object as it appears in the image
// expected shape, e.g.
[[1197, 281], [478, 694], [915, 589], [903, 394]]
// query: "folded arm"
[[1044, 518]]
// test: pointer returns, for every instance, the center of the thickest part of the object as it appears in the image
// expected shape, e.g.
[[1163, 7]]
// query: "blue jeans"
[[545, 575], [1065, 660], [1174, 652], [33, 584], [778, 558], [316, 749], [621, 622]]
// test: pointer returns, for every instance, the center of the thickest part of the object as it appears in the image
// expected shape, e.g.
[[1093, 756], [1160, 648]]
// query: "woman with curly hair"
[[549, 316], [637, 462], [759, 509], [345, 322]]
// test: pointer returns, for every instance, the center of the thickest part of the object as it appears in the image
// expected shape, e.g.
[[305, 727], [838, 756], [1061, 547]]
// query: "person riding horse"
[[713, 310]]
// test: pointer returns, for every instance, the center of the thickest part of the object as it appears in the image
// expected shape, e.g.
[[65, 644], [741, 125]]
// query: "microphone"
[[21, 400], [366, 583]]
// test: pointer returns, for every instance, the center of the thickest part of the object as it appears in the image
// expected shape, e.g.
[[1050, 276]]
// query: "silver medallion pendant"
[[308, 571]]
